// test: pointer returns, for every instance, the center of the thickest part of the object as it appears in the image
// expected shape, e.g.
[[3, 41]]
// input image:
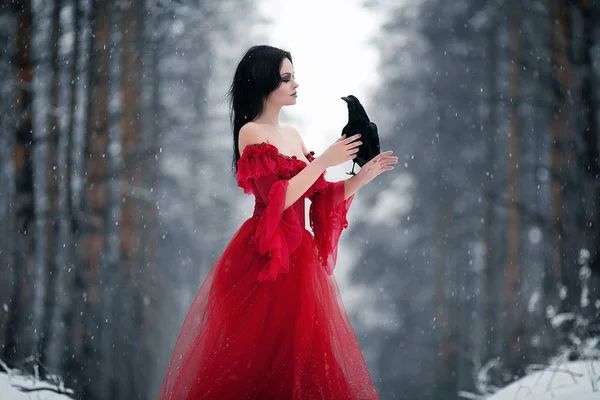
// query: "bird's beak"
[[345, 99]]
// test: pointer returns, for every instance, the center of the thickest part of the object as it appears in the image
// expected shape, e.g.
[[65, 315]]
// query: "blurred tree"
[[512, 328], [94, 87], [21, 215], [466, 83]]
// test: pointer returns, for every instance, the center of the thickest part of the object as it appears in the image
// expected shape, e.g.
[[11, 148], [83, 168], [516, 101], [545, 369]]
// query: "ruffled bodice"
[[263, 159], [264, 172]]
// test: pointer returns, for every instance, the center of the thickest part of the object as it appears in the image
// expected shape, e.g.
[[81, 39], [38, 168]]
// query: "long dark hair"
[[256, 75]]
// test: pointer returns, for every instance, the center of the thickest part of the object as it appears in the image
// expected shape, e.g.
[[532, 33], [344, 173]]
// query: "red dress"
[[268, 321]]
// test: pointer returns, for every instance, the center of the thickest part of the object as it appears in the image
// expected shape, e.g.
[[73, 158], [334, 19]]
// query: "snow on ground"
[[12, 382], [578, 380]]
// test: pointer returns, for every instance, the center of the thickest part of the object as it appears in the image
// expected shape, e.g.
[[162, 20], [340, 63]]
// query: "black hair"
[[256, 75]]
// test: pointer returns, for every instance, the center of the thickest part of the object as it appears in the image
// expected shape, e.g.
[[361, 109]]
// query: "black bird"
[[358, 122]]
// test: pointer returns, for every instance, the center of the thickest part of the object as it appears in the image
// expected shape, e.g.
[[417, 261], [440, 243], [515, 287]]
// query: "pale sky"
[[332, 58]]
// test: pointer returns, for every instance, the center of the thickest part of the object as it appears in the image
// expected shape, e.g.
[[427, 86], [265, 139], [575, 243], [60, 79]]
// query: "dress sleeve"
[[278, 233], [328, 211]]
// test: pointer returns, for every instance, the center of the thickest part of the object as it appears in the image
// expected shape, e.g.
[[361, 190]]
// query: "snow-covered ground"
[[578, 380], [16, 386]]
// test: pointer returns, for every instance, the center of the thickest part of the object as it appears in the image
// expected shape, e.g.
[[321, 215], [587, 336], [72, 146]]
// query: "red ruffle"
[[261, 159], [257, 160], [328, 211], [278, 233], [320, 184]]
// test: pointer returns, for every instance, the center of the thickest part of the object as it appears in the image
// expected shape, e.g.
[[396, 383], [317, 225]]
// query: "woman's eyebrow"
[[287, 73]]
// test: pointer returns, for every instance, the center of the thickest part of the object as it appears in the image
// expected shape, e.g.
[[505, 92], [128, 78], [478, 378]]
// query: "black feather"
[[358, 122]]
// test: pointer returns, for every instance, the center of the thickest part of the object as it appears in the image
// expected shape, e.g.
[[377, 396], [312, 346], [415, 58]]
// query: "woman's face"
[[285, 94]]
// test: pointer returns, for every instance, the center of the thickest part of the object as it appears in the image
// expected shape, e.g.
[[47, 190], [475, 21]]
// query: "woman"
[[268, 321]]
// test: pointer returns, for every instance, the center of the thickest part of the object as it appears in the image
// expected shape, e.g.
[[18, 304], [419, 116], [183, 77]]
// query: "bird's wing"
[[347, 130], [375, 136]]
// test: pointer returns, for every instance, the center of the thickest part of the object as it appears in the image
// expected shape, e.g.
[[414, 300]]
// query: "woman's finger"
[[352, 138], [389, 159], [382, 155]]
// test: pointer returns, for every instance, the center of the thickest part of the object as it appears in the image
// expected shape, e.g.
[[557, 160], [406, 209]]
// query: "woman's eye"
[[285, 80]]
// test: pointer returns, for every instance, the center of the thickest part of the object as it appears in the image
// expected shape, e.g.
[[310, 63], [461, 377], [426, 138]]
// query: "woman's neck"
[[269, 115]]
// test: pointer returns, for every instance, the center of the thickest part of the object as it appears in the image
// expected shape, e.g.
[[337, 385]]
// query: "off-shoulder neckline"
[[285, 156]]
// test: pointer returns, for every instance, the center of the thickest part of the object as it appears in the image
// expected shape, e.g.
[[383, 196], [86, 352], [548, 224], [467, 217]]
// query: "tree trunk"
[[93, 239], [17, 343], [64, 269], [447, 365], [153, 129], [492, 275], [44, 140], [132, 195], [108, 272], [561, 78], [447, 368], [53, 177], [512, 307], [74, 323], [148, 42], [591, 158], [8, 121]]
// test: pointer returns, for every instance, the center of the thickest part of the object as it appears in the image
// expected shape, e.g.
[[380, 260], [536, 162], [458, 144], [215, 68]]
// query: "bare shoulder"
[[294, 132], [250, 133], [291, 129]]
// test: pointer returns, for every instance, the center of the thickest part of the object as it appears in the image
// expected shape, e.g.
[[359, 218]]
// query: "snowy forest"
[[479, 255]]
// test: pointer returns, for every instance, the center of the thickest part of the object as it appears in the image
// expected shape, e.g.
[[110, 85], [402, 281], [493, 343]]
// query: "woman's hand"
[[380, 163], [341, 150]]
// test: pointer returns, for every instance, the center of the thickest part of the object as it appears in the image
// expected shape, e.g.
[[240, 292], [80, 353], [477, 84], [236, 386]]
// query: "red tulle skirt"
[[284, 339]]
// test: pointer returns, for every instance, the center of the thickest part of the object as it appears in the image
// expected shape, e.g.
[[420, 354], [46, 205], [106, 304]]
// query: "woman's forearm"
[[351, 186], [300, 183]]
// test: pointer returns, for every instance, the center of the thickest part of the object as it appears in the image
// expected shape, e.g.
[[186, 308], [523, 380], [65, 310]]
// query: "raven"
[[358, 122]]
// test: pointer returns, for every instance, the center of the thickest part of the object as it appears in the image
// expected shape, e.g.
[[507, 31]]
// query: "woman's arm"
[[351, 185], [297, 185]]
